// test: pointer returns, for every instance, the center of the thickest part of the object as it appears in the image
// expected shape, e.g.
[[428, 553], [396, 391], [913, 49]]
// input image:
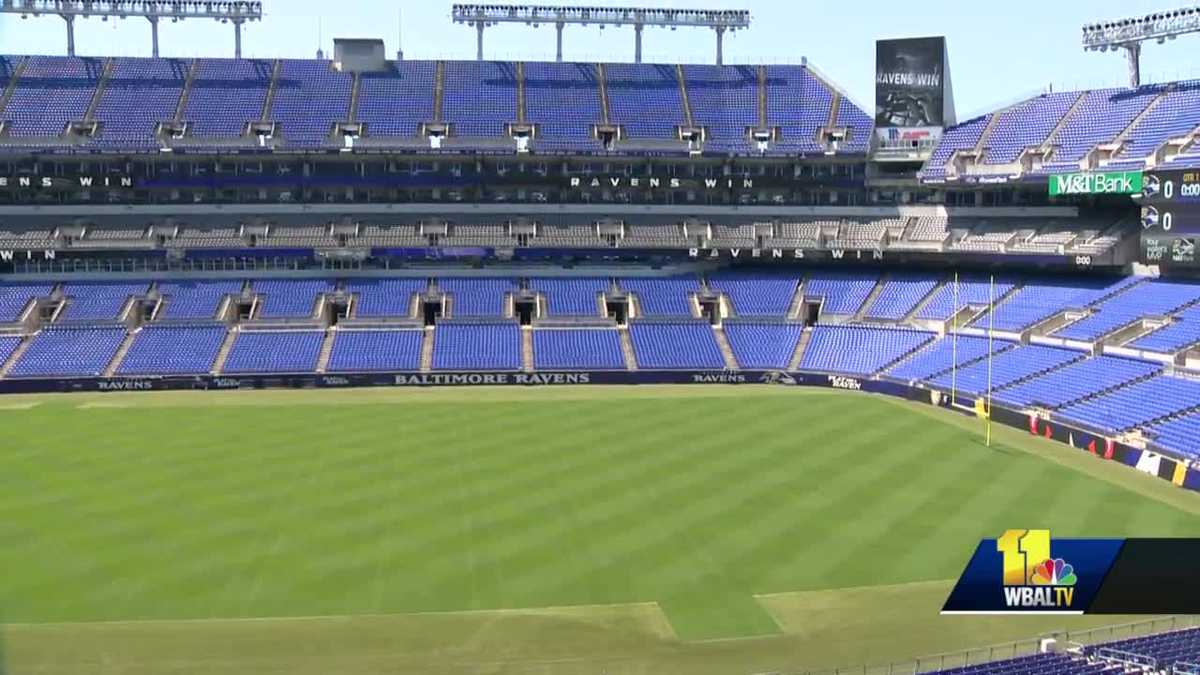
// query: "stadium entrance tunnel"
[[525, 309], [811, 312], [337, 309], [245, 310], [617, 309], [431, 311], [710, 308]]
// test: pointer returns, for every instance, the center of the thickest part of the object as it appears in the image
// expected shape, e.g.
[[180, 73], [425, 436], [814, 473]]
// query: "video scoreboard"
[[1170, 217]]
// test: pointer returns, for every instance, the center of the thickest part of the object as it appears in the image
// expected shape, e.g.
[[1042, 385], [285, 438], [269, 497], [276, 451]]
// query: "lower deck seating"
[[1136, 404], [675, 345], [8, 345], [942, 354], [275, 352], [858, 350], [1076, 381], [1179, 434], [14, 298], [477, 346], [195, 299], [578, 349], [662, 296], [375, 350], [173, 350], [1006, 368], [70, 351], [763, 345]]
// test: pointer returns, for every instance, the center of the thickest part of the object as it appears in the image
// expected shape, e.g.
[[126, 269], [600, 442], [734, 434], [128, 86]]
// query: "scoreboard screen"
[[1170, 217]]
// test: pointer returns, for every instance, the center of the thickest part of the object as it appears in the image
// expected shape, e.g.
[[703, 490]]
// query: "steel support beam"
[[479, 26], [637, 42], [70, 19], [720, 45], [153, 35], [558, 28], [237, 39], [1134, 53]]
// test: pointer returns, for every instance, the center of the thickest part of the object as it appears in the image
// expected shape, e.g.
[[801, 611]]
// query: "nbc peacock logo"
[[1033, 579]]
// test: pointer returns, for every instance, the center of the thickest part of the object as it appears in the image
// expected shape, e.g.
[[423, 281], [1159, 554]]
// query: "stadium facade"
[[221, 223]]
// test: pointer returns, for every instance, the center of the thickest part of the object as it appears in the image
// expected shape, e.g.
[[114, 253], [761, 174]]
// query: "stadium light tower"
[[226, 11], [1129, 34], [484, 16]]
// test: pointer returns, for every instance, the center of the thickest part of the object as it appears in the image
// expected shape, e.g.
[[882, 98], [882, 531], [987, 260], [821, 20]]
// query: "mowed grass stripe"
[[696, 503]]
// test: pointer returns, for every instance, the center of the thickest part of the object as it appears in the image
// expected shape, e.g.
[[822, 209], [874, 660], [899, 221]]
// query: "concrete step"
[[119, 357]]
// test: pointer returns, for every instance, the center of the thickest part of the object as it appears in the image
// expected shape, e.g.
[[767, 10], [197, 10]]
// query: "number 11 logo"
[[1023, 550]]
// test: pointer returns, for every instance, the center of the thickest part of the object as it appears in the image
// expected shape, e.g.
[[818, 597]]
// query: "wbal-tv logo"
[[1032, 577]]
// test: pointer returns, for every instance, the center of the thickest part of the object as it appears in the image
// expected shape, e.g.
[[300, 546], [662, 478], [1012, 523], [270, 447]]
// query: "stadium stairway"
[[683, 96], [223, 353], [105, 75], [797, 306], [916, 310], [326, 349], [602, 79], [726, 350], [801, 345], [439, 89], [16, 355], [272, 89], [527, 348], [355, 93], [871, 297], [904, 357], [122, 350], [1062, 122], [1120, 139], [186, 92], [427, 350], [520, 92], [627, 349], [14, 79]]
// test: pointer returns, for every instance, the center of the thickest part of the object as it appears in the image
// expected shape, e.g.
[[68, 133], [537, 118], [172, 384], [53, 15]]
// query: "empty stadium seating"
[[662, 296], [1137, 404], [290, 298], [858, 350], [98, 301], [571, 296], [15, 298], [274, 352], [478, 100], [384, 297], [941, 355], [69, 351], [900, 295], [757, 294], [1006, 368], [577, 349], [762, 345], [1151, 298], [472, 296], [375, 350], [675, 345], [477, 346], [173, 350], [842, 292], [1076, 381], [195, 299]]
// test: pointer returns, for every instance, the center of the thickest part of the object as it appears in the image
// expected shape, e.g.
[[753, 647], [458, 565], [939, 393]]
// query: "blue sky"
[[999, 51]]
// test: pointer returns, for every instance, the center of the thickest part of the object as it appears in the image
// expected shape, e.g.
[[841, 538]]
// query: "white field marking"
[[907, 584], [103, 404], [663, 627], [20, 406]]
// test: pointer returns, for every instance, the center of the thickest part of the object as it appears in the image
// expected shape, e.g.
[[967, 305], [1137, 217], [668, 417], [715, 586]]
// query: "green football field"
[[736, 529]]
